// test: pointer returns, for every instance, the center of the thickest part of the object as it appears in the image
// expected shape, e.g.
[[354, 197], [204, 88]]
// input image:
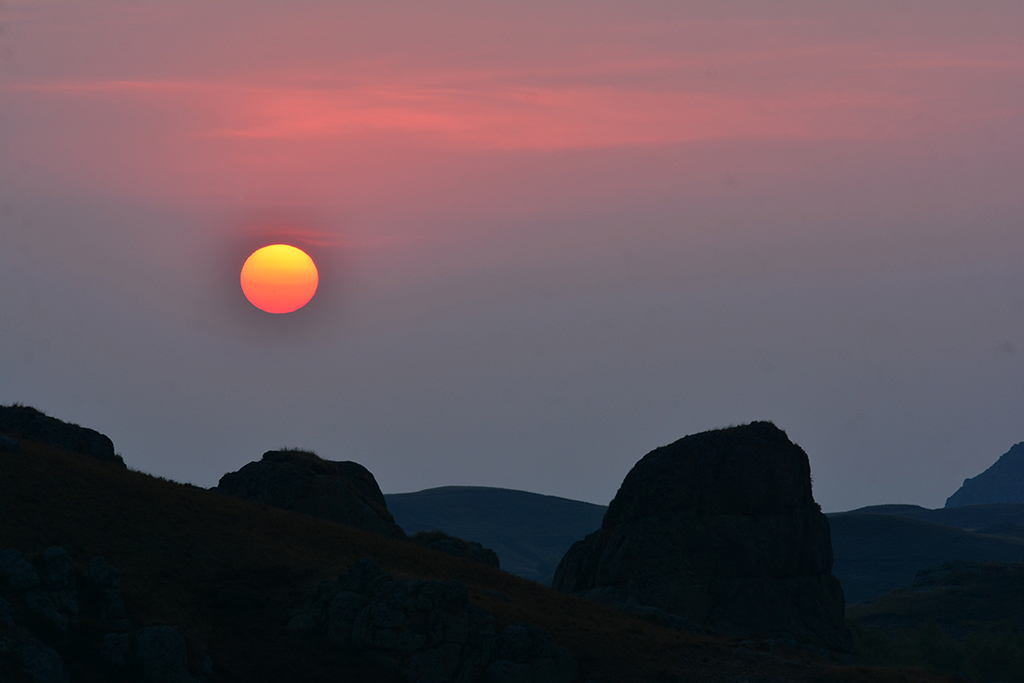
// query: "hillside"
[[228, 572], [875, 553], [964, 618], [971, 517], [530, 532]]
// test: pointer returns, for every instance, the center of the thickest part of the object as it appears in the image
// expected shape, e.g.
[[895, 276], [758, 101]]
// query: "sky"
[[551, 237]]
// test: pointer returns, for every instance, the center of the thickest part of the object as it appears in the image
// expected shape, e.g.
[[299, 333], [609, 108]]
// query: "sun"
[[279, 278]]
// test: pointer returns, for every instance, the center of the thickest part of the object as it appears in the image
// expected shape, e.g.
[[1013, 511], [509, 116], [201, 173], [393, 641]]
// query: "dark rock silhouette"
[[301, 481], [29, 423], [720, 529], [446, 543], [1003, 482], [428, 631]]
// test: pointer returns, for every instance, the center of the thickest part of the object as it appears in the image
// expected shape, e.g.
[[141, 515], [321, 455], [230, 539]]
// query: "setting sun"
[[279, 278]]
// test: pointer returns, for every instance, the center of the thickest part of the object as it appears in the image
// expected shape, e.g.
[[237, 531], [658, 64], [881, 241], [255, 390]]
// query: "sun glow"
[[279, 278]]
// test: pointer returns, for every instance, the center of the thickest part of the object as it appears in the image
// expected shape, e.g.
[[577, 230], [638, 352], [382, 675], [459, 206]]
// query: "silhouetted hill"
[[972, 517], [530, 532], [1003, 482], [230, 573], [876, 552]]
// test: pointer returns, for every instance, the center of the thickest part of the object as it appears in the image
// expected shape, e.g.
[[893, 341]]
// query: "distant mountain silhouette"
[[530, 532], [1003, 482]]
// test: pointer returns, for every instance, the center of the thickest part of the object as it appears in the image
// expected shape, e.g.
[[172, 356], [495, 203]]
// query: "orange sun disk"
[[279, 278]]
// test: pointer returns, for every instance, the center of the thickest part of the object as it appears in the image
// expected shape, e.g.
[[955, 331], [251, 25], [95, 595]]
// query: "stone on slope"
[[301, 481], [719, 528], [1003, 482], [32, 424], [457, 547]]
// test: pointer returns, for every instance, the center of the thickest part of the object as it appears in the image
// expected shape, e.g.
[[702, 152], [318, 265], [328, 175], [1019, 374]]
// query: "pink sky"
[[649, 180]]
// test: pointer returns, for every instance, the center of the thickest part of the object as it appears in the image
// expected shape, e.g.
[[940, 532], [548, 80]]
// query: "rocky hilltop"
[[24, 421], [301, 481], [1003, 482], [720, 530]]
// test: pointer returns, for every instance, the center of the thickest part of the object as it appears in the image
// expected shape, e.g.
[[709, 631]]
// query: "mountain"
[[229, 574], [530, 532], [1003, 482]]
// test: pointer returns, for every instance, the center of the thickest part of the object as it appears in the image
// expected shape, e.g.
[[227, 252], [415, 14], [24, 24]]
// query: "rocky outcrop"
[[18, 420], [1003, 482], [49, 611], [451, 545], [301, 481], [428, 631], [721, 530]]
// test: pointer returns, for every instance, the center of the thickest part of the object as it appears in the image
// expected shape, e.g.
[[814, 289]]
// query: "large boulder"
[[30, 423], [1003, 482], [301, 481], [720, 529]]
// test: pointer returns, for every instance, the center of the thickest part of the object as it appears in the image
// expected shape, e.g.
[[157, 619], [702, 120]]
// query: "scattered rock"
[[301, 481], [428, 631], [116, 648], [162, 655], [7, 444], [32, 424], [102, 581], [40, 603], [17, 572], [445, 543], [43, 608], [6, 614], [40, 662], [57, 571], [719, 528]]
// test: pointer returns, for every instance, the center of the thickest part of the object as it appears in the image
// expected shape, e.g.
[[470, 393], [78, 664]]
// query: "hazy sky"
[[551, 236]]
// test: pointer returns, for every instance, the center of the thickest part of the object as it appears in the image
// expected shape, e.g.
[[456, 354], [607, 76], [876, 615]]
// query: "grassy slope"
[[228, 571], [965, 618], [529, 532]]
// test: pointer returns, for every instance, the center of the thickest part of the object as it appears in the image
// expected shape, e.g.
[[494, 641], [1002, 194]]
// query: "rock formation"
[[29, 423], [50, 612], [1003, 482], [720, 529], [452, 545], [301, 481], [428, 631]]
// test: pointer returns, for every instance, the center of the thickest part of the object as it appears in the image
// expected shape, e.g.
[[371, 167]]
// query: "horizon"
[[548, 241]]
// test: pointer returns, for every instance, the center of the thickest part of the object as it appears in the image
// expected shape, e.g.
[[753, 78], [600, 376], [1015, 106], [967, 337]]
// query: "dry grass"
[[229, 571]]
